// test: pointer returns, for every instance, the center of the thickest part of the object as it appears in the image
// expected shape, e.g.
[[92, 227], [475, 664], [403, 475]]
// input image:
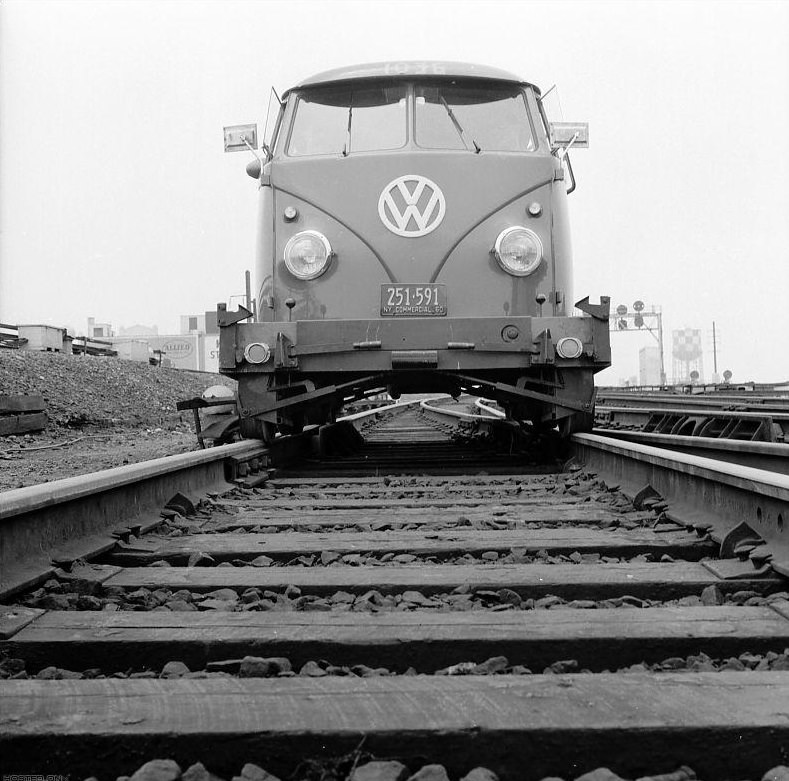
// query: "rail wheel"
[[268, 431]]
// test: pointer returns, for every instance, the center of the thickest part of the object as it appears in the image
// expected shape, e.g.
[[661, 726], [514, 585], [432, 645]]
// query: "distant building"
[[195, 348], [204, 327], [132, 350], [202, 324], [41, 338], [139, 330], [99, 330], [649, 366]]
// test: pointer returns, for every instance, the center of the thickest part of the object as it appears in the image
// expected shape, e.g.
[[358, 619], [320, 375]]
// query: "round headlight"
[[518, 251], [307, 254]]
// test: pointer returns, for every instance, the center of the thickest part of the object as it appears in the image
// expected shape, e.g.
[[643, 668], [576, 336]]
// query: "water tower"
[[688, 356]]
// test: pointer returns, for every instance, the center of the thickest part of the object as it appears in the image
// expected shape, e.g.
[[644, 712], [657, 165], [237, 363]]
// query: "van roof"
[[433, 69]]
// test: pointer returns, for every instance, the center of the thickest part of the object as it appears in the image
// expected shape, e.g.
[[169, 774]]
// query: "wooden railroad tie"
[[22, 414]]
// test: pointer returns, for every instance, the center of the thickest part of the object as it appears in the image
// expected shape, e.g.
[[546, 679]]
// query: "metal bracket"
[[282, 354], [308, 385], [314, 395], [740, 537], [735, 569], [521, 393], [599, 311], [545, 346], [647, 498], [225, 318]]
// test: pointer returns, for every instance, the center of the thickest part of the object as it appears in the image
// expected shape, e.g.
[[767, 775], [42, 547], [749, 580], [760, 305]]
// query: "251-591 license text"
[[413, 300]]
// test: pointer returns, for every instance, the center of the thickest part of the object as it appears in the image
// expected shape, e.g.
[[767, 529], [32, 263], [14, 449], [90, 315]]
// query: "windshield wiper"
[[347, 146], [462, 133]]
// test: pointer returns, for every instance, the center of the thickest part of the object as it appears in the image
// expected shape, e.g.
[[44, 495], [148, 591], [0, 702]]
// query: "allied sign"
[[178, 348], [411, 206]]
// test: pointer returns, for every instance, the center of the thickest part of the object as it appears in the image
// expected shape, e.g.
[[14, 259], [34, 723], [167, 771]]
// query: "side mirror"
[[567, 134], [244, 138], [241, 138]]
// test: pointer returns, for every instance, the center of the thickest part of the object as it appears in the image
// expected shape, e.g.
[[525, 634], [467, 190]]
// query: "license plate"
[[413, 300]]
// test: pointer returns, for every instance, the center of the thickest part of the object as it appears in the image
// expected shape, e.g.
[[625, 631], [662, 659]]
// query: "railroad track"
[[745, 417], [770, 455], [420, 597]]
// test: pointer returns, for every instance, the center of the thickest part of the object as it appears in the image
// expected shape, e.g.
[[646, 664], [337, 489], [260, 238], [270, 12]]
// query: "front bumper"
[[391, 345]]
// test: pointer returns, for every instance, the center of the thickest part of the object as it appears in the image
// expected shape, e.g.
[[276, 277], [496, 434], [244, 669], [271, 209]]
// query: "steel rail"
[[755, 403], [396, 406], [764, 425], [704, 492], [755, 414], [76, 516], [81, 516], [454, 413], [772, 456], [496, 413]]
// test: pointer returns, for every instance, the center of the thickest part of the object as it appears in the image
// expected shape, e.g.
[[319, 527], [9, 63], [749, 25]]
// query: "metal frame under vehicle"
[[314, 367]]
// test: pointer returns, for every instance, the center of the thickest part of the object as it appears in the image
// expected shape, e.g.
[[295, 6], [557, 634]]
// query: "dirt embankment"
[[103, 412]]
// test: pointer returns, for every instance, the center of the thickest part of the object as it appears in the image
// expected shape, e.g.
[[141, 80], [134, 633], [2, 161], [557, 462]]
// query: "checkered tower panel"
[[686, 344]]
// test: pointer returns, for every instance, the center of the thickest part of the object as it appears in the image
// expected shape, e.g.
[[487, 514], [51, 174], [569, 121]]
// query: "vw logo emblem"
[[411, 206]]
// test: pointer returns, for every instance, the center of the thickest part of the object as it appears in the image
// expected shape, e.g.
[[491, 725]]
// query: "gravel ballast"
[[102, 413]]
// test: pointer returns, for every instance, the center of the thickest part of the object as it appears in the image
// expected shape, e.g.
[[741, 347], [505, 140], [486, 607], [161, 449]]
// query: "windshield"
[[341, 121], [489, 117], [492, 118], [477, 117]]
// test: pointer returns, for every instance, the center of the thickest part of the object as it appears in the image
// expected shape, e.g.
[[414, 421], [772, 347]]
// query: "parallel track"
[[394, 561], [744, 417]]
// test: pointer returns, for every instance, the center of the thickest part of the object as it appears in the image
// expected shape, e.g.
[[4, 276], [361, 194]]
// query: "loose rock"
[[313, 670], [480, 774], [158, 770], [258, 667], [778, 773], [198, 772], [252, 772], [496, 664], [712, 595], [600, 774], [684, 773], [430, 773], [380, 771], [174, 670]]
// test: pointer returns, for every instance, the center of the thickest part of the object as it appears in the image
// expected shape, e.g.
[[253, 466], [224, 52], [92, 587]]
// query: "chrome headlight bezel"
[[321, 240], [500, 249], [257, 353], [569, 347]]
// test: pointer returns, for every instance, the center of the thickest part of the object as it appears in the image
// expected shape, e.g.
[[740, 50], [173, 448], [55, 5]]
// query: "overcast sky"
[[117, 202]]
